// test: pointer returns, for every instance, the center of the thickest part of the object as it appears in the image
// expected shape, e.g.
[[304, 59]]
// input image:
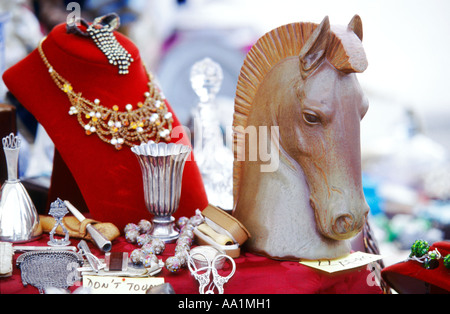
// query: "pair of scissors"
[[203, 274]]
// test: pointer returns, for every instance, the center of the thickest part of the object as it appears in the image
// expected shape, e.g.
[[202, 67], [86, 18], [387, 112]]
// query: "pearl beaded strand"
[[103, 37]]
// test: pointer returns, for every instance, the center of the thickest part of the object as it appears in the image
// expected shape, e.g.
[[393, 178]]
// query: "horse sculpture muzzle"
[[348, 218]]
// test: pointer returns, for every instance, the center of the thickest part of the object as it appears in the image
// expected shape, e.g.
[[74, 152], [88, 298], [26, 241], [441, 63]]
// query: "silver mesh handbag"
[[43, 269]]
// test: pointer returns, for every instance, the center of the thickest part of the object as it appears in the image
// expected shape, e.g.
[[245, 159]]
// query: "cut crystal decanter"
[[214, 158]]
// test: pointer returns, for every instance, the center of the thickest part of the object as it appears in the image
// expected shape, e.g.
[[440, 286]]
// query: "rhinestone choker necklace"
[[148, 120]]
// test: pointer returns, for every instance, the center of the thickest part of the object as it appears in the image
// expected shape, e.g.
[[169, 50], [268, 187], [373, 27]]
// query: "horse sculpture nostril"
[[343, 225]]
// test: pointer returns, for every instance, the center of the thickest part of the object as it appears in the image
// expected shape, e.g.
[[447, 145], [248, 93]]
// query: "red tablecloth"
[[254, 275]]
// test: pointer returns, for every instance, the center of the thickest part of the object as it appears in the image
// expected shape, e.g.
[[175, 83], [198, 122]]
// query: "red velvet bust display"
[[109, 180], [411, 277]]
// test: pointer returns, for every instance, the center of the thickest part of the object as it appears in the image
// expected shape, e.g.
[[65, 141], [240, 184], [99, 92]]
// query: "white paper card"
[[350, 261], [120, 285]]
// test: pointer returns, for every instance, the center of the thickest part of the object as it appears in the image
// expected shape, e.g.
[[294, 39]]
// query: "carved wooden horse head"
[[299, 94]]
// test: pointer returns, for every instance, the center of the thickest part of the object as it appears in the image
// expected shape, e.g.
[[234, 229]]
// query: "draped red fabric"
[[254, 275], [110, 181]]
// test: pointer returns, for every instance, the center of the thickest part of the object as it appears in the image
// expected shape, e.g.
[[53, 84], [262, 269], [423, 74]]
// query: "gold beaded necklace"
[[149, 121]]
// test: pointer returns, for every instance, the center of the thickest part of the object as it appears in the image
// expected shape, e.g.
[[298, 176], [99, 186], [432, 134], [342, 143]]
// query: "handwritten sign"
[[350, 261], [120, 285]]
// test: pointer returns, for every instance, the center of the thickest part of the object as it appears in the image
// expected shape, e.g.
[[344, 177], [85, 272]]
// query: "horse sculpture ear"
[[314, 49], [356, 26]]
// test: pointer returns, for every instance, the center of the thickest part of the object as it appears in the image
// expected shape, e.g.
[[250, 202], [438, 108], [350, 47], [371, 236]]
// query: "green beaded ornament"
[[431, 260], [419, 248], [447, 261]]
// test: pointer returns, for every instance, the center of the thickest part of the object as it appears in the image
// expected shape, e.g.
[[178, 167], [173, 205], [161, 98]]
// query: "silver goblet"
[[162, 168]]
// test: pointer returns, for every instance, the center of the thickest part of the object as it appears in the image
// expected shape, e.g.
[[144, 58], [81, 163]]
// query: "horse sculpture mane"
[[314, 45]]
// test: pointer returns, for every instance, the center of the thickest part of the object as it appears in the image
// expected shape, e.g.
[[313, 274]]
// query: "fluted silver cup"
[[19, 220], [162, 168]]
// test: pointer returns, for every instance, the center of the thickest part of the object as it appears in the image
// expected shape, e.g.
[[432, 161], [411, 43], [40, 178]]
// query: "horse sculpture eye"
[[311, 118]]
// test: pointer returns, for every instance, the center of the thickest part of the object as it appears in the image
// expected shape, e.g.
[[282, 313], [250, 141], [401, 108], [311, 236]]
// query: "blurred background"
[[405, 135]]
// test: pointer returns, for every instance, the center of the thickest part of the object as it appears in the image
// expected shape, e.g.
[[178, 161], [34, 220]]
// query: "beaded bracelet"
[[420, 252], [149, 248]]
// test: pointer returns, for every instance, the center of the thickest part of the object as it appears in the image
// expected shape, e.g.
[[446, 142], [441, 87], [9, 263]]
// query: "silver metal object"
[[43, 269], [219, 280], [165, 288], [43, 248], [99, 239], [203, 255], [91, 258], [19, 220], [162, 168], [202, 274], [58, 210], [202, 264]]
